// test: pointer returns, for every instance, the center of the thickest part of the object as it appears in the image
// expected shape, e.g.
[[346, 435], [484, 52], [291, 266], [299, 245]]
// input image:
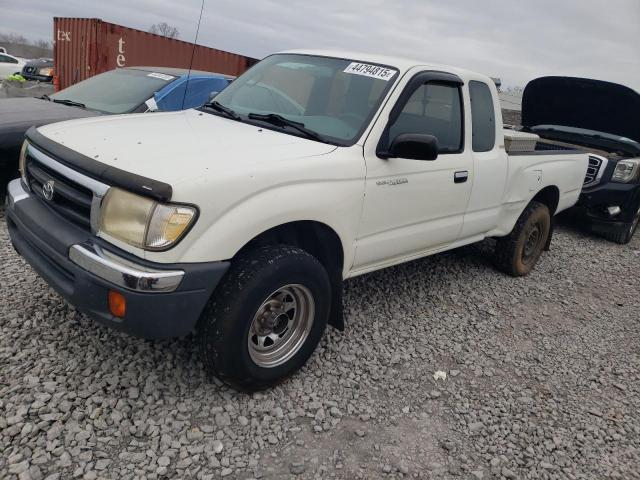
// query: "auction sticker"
[[161, 76], [373, 71]]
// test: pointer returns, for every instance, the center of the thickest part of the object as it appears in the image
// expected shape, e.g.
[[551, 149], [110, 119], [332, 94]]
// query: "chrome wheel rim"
[[281, 325]]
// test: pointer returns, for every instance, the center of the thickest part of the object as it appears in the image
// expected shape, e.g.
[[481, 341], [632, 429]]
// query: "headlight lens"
[[23, 160], [47, 72], [626, 170], [142, 222]]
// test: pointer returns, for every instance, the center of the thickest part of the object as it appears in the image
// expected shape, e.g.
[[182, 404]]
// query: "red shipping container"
[[84, 47]]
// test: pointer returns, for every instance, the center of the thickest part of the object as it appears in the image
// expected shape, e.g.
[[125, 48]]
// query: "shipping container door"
[[74, 49]]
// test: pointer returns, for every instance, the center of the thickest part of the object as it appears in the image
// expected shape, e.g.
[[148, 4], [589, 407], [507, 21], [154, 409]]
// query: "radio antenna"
[[193, 54]]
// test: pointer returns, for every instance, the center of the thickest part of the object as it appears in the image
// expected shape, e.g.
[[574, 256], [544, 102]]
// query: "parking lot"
[[543, 381]]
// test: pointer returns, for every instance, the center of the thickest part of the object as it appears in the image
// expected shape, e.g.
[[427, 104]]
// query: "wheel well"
[[315, 238], [319, 240], [549, 196]]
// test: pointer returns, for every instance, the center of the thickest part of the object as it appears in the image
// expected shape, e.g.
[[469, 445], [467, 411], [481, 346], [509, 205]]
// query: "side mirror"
[[414, 146], [212, 95]]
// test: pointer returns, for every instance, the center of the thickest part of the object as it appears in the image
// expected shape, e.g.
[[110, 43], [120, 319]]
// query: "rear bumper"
[[594, 203], [162, 301]]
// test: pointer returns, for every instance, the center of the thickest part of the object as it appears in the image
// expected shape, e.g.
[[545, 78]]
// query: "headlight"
[[626, 170], [23, 160], [142, 222], [47, 72]]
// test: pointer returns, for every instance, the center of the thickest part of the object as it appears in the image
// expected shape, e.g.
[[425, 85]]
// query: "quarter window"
[[433, 109], [483, 119]]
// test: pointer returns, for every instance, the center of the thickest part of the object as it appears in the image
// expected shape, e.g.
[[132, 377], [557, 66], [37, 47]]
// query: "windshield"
[[116, 91], [332, 97]]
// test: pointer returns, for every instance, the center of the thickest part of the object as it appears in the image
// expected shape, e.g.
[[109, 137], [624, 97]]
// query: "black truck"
[[601, 118]]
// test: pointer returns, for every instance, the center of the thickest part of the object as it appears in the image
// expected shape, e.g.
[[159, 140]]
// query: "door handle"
[[461, 177]]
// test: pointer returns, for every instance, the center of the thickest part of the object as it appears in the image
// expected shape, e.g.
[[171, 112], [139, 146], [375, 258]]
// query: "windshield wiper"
[[70, 103], [280, 121], [45, 97], [218, 107]]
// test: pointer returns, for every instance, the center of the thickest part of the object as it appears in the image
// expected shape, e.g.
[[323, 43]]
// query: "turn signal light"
[[117, 304]]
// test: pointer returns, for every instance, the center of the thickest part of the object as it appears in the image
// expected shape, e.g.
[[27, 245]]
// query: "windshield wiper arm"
[[71, 103], [218, 107], [45, 97], [280, 121]]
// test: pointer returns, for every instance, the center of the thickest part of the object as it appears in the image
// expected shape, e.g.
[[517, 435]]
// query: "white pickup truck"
[[240, 220]]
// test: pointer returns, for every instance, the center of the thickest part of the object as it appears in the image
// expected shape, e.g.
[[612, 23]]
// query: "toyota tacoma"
[[240, 220]]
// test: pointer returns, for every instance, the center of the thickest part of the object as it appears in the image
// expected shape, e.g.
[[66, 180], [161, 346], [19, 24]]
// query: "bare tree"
[[42, 44], [165, 30], [19, 45], [13, 38]]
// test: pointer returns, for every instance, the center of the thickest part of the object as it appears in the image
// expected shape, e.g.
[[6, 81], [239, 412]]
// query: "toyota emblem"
[[47, 190]]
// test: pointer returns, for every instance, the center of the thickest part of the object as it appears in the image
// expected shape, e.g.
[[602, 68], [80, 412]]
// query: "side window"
[[483, 121], [5, 59], [433, 109]]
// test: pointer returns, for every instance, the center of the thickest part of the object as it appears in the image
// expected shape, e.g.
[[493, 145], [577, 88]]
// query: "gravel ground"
[[543, 381], [25, 89]]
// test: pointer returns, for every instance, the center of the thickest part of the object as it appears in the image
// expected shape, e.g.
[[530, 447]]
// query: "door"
[[415, 206], [491, 163]]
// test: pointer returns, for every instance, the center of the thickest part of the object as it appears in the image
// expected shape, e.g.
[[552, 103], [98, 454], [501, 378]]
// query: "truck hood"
[[17, 115], [582, 103], [176, 147]]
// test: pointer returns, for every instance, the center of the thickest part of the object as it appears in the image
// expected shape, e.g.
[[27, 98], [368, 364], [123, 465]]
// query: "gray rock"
[[506, 473], [297, 468], [218, 446], [223, 419]]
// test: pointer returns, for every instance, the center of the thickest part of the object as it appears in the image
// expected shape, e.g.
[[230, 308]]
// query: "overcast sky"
[[516, 40]]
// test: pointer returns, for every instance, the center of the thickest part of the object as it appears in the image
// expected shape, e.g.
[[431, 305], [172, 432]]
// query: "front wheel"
[[517, 253], [625, 234], [266, 317]]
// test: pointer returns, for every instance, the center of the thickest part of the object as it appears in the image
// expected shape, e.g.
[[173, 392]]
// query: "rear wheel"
[[517, 253], [266, 317]]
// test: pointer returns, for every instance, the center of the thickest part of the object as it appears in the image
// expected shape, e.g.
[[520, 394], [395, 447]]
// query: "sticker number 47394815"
[[367, 70]]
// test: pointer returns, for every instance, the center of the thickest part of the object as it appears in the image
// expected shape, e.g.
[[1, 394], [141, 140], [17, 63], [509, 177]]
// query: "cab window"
[[483, 121], [433, 109]]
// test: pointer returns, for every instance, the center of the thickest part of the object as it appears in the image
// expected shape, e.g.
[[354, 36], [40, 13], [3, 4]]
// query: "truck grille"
[[595, 170], [67, 197]]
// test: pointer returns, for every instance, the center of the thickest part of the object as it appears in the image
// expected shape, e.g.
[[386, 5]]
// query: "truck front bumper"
[[609, 206], [162, 301]]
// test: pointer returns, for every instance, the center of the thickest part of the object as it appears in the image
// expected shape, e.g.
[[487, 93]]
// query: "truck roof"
[[401, 63]]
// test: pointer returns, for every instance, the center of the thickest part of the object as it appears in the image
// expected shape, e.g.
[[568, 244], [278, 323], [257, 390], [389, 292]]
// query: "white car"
[[240, 220], [10, 65]]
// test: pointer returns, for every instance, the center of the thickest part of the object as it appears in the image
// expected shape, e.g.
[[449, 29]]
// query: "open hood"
[[582, 103]]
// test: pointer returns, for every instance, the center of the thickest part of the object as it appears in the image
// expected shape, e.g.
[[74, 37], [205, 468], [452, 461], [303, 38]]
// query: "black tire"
[[224, 329], [517, 253], [4, 180], [625, 234]]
